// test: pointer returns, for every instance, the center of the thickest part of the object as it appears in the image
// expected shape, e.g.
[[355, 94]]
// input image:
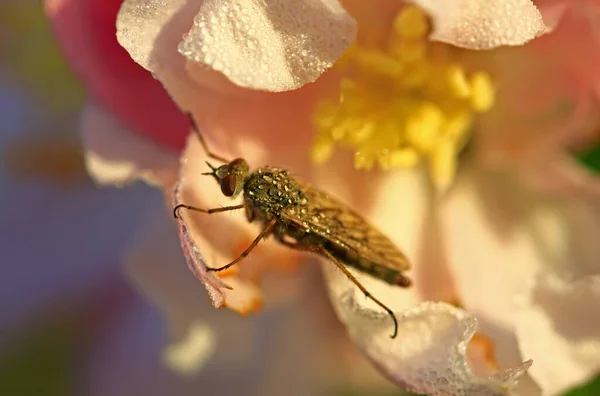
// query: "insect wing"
[[339, 224]]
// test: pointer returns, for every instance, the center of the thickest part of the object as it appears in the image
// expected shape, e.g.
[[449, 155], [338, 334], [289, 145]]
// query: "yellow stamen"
[[457, 125], [443, 162], [408, 103], [322, 150], [406, 157], [483, 92], [379, 63], [423, 127], [411, 23], [457, 80], [363, 160], [409, 51]]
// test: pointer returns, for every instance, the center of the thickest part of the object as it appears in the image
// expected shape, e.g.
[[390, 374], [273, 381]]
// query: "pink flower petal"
[[221, 109], [135, 157], [558, 320], [86, 32], [221, 237], [566, 177], [215, 286], [547, 104], [553, 10], [483, 24], [276, 47], [132, 158]]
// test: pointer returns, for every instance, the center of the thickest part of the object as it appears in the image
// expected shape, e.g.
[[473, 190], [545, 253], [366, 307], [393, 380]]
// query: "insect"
[[306, 219]]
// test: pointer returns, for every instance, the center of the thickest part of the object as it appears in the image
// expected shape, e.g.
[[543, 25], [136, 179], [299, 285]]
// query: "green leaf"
[[40, 362], [592, 388], [590, 158], [33, 59]]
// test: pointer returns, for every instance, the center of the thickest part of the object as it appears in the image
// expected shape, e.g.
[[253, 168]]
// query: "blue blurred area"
[[55, 240], [61, 236]]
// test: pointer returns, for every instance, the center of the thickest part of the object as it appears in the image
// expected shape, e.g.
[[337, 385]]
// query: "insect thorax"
[[268, 190]]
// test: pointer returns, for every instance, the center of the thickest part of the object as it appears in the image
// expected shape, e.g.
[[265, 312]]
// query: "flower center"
[[408, 103]]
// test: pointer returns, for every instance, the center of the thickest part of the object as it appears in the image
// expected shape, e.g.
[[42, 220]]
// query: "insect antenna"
[[213, 173], [203, 142]]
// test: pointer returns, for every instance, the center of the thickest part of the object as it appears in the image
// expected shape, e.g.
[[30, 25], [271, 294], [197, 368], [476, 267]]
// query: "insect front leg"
[[334, 260], [209, 211], [264, 233]]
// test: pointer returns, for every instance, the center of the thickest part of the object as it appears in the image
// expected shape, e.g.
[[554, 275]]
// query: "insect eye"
[[228, 185]]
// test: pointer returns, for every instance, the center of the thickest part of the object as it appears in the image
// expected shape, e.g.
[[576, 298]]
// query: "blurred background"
[[62, 237]]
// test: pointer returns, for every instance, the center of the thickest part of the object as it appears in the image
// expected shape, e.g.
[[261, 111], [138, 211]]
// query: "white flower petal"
[[492, 254], [498, 242], [272, 46], [196, 263], [269, 45], [116, 155], [189, 355], [558, 322], [429, 354], [483, 24], [140, 24]]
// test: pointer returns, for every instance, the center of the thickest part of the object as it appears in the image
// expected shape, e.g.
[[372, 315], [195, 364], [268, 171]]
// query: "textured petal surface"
[[221, 109], [559, 319], [429, 354], [483, 24], [273, 46], [141, 23]]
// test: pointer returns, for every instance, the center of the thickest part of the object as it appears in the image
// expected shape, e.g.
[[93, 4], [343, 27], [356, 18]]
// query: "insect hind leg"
[[326, 253]]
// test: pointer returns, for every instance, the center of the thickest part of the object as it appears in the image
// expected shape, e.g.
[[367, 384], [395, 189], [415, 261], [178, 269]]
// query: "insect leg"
[[325, 252], [203, 142], [265, 232], [209, 211]]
